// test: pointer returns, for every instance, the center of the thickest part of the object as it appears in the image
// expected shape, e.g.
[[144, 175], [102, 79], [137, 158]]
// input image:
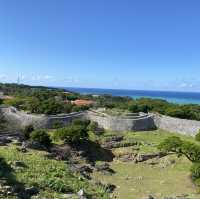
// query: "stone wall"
[[19, 119], [122, 124], [182, 126]]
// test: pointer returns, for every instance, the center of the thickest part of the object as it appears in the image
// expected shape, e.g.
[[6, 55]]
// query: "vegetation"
[[189, 111], [27, 131], [53, 101], [40, 100], [74, 133], [190, 150], [155, 177], [197, 136], [41, 136], [53, 178]]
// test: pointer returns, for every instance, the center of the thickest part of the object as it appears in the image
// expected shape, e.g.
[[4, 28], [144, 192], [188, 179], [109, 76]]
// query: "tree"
[[133, 108], [72, 97], [74, 133], [171, 144], [41, 136], [176, 145], [27, 131]]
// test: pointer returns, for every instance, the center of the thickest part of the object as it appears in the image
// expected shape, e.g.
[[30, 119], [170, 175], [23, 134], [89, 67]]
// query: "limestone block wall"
[[182, 126], [122, 124], [18, 119]]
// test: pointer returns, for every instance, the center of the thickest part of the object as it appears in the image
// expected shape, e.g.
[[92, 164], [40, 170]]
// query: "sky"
[[124, 44]]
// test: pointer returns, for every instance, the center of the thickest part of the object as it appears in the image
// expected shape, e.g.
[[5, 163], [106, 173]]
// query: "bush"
[[93, 126], [73, 134], [171, 144], [79, 108], [1, 101], [72, 97], [57, 124], [176, 145], [191, 151], [197, 136], [27, 131], [195, 171], [133, 108], [41, 136], [83, 123]]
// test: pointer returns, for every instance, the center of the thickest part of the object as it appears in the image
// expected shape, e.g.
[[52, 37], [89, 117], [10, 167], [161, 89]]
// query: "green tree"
[[176, 145], [74, 133], [27, 131], [41, 136]]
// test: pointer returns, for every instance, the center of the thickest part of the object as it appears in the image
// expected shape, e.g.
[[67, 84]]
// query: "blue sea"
[[171, 96]]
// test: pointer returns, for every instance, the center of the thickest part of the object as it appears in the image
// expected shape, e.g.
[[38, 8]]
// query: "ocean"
[[170, 96]]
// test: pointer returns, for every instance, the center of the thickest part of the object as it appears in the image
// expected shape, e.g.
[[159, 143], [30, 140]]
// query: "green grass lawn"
[[142, 179]]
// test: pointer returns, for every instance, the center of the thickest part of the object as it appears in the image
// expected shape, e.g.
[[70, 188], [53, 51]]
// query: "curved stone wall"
[[182, 126], [18, 119], [141, 123]]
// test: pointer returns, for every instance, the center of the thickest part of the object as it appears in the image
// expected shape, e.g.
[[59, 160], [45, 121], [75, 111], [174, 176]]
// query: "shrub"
[[197, 136], [72, 97], [191, 151], [83, 123], [1, 101], [57, 125], [79, 108], [195, 171], [171, 144], [93, 126], [74, 133], [41, 136], [133, 108], [27, 131], [176, 145]]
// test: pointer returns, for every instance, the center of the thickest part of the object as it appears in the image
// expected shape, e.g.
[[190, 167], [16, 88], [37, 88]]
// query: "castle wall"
[[122, 124], [18, 119], [182, 126]]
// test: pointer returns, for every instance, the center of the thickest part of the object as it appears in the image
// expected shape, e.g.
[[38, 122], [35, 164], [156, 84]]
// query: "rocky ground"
[[108, 166]]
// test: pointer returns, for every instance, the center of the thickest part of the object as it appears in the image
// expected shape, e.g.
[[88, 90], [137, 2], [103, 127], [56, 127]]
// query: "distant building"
[[5, 97], [81, 102]]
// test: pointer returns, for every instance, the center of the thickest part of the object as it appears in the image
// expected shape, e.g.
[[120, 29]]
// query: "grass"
[[52, 177], [140, 180]]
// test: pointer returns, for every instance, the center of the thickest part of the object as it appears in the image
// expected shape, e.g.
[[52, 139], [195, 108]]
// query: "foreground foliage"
[[188, 149], [53, 178]]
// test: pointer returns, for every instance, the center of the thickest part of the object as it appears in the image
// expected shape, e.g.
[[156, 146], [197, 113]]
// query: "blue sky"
[[130, 44]]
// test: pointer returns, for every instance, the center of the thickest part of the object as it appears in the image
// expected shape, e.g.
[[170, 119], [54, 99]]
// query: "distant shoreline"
[[171, 96]]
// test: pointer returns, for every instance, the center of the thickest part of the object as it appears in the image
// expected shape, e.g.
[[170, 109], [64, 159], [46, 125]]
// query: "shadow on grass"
[[7, 178], [94, 152]]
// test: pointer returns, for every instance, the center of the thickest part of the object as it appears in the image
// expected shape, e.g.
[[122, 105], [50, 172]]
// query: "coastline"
[[170, 96]]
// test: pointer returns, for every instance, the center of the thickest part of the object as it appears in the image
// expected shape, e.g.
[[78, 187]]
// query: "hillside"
[[100, 172]]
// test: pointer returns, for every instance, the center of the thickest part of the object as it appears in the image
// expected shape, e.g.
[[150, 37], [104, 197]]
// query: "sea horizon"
[[179, 97]]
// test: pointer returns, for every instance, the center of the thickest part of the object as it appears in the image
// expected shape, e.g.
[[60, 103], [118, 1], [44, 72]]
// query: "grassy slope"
[[132, 180], [139, 180], [50, 176]]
